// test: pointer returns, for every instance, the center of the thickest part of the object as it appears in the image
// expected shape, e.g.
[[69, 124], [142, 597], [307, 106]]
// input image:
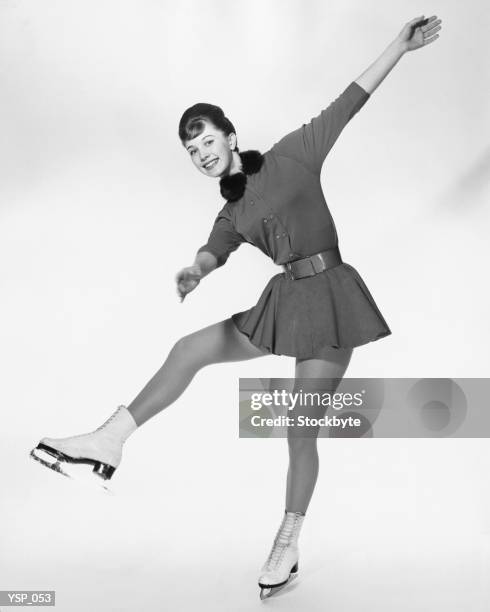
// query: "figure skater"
[[317, 309]]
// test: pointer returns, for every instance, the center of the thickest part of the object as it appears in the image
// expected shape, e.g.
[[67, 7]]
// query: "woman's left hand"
[[419, 32]]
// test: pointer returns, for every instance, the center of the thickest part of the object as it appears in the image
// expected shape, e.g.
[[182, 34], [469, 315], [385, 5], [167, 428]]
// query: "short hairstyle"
[[192, 121]]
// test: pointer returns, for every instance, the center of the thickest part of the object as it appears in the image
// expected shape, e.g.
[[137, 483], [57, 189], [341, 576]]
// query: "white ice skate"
[[100, 449], [281, 566]]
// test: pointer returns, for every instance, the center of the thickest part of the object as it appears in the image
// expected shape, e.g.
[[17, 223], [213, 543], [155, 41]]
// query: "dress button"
[[252, 202], [284, 234], [265, 220], [271, 216], [278, 235]]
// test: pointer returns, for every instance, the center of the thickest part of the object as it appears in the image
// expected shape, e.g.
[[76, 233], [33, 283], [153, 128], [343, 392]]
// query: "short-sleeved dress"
[[283, 212]]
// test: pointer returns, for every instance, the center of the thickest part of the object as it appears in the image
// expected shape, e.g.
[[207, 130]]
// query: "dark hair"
[[191, 123]]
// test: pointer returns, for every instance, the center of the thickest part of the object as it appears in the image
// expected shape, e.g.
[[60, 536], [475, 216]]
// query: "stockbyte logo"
[[364, 407]]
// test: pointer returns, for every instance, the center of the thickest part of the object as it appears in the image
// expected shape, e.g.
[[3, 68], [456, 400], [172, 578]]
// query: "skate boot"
[[281, 566], [100, 449]]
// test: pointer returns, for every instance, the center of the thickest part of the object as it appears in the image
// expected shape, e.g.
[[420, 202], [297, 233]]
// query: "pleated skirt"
[[301, 317]]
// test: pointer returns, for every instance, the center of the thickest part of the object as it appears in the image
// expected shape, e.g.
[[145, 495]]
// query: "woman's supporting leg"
[[321, 375], [217, 343]]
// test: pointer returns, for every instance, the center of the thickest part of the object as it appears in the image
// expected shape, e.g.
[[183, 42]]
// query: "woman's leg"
[[216, 343], [311, 375], [319, 375], [101, 449]]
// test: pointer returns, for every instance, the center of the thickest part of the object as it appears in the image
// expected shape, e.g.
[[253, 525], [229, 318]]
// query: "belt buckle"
[[317, 259], [313, 271]]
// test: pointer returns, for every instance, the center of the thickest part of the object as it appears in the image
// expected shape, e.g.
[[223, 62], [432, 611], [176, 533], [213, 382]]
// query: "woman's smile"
[[209, 165]]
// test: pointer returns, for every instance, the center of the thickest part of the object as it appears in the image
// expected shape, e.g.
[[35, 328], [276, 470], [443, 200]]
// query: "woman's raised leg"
[[101, 449], [217, 343]]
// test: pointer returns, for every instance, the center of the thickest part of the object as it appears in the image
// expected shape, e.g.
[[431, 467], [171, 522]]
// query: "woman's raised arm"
[[417, 33]]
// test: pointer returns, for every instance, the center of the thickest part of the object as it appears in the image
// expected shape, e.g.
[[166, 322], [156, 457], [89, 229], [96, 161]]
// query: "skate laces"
[[111, 418], [284, 538], [275, 555]]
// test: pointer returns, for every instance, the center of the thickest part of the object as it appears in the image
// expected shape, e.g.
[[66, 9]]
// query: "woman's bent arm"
[[189, 278], [206, 261]]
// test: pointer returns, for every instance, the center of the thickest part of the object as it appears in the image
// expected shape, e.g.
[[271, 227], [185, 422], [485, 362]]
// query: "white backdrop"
[[99, 208]]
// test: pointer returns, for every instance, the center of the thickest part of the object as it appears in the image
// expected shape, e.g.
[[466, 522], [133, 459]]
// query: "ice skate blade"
[[53, 465], [77, 472], [104, 470], [268, 590]]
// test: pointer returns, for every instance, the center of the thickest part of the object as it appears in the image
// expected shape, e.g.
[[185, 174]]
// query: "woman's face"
[[212, 152]]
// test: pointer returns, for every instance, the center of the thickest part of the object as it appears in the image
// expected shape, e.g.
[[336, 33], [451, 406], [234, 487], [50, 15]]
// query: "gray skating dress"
[[283, 212]]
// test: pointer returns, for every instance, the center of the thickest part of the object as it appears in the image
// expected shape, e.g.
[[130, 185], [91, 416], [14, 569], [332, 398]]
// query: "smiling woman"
[[210, 138], [317, 309]]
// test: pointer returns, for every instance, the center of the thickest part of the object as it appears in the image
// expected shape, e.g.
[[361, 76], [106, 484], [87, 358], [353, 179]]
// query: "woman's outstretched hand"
[[187, 280], [419, 32]]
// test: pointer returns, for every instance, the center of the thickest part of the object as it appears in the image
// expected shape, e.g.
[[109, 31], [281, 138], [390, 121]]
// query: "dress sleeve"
[[223, 239], [311, 143]]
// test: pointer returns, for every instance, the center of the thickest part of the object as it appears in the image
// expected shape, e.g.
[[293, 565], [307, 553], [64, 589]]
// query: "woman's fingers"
[[187, 279], [429, 31], [424, 23], [432, 32], [431, 27], [427, 41], [190, 273], [185, 287]]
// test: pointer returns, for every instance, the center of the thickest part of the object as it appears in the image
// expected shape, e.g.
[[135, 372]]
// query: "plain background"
[[100, 207]]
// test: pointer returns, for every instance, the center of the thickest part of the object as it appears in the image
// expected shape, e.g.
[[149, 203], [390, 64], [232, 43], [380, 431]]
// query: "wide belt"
[[313, 264]]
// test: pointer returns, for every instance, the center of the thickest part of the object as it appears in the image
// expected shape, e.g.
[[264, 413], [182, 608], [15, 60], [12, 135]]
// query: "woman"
[[316, 310]]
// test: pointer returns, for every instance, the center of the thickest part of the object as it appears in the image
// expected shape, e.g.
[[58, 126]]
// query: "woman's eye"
[[208, 142]]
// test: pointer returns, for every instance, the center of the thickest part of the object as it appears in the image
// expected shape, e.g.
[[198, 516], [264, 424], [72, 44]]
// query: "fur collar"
[[232, 187]]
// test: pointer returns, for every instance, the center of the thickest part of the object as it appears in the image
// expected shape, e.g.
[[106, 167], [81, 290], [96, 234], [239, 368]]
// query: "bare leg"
[[303, 453], [216, 343]]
